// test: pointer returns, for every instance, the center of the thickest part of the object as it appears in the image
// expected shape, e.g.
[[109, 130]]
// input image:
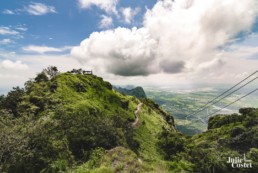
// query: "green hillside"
[[76, 123], [61, 120], [227, 136]]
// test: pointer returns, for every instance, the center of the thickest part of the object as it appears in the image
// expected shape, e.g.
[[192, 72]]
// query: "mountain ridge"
[[77, 123], [137, 91], [86, 114]]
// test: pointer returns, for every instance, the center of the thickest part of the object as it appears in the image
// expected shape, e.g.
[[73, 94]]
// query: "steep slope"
[[77, 123], [229, 136], [72, 116]]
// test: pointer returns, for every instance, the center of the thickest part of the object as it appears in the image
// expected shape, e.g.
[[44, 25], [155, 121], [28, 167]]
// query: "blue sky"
[[66, 26], [138, 42]]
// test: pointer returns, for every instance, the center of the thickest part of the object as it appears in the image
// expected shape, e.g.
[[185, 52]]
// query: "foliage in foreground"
[[76, 123], [58, 120]]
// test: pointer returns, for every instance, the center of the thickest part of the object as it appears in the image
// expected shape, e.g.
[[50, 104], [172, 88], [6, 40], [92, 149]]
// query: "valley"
[[181, 104]]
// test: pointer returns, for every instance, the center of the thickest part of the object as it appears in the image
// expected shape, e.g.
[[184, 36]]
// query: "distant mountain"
[[137, 92]]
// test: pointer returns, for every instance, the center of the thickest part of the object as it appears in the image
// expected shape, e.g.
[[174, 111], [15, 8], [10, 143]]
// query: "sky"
[[175, 43]]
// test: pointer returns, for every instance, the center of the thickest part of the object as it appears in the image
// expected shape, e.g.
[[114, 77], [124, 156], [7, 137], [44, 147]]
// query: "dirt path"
[[136, 113]]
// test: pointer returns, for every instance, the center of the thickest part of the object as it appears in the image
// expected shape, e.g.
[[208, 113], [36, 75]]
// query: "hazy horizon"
[[180, 43]]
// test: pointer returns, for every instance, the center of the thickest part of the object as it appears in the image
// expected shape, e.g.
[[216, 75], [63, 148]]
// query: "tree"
[[14, 144], [245, 111], [2, 98], [171, 143], [41, 77], [51, 71], [28, 85], [12, 99]]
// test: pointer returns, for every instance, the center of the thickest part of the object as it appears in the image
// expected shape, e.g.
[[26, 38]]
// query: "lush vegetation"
[[57, 121], [76, 123], [228, 136], [183, 103]]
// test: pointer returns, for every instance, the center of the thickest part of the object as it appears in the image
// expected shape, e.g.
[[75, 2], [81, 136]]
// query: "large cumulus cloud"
[[121, 51], [177, 36]]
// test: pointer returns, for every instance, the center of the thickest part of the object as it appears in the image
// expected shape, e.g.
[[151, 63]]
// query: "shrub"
[[171, 143], [236, 131], [51, 71], [41, 77], [246, 111], [80, 87], [95, 158], [59, 165], [53, 87], [12, 100], [125, 104]]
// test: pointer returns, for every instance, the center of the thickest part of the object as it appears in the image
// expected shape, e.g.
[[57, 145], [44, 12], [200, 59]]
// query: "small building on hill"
[[87, 72], [80, 71]]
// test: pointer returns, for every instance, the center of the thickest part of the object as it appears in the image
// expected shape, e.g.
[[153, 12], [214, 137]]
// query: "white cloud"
[[210, 65], [193, 31], [121, 51], [44, 49], [6, 55], [8, 12], [21, 28], [129, 13], [182, 37], [5, 41], [7, 64], [179, 42], [33, 8], [24, 67], [39, 9], [7, 31], [108, 6], [106, 21], [6, 76]]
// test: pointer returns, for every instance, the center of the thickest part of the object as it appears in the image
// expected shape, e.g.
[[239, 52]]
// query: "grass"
[[87, 120], [101, 99]]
